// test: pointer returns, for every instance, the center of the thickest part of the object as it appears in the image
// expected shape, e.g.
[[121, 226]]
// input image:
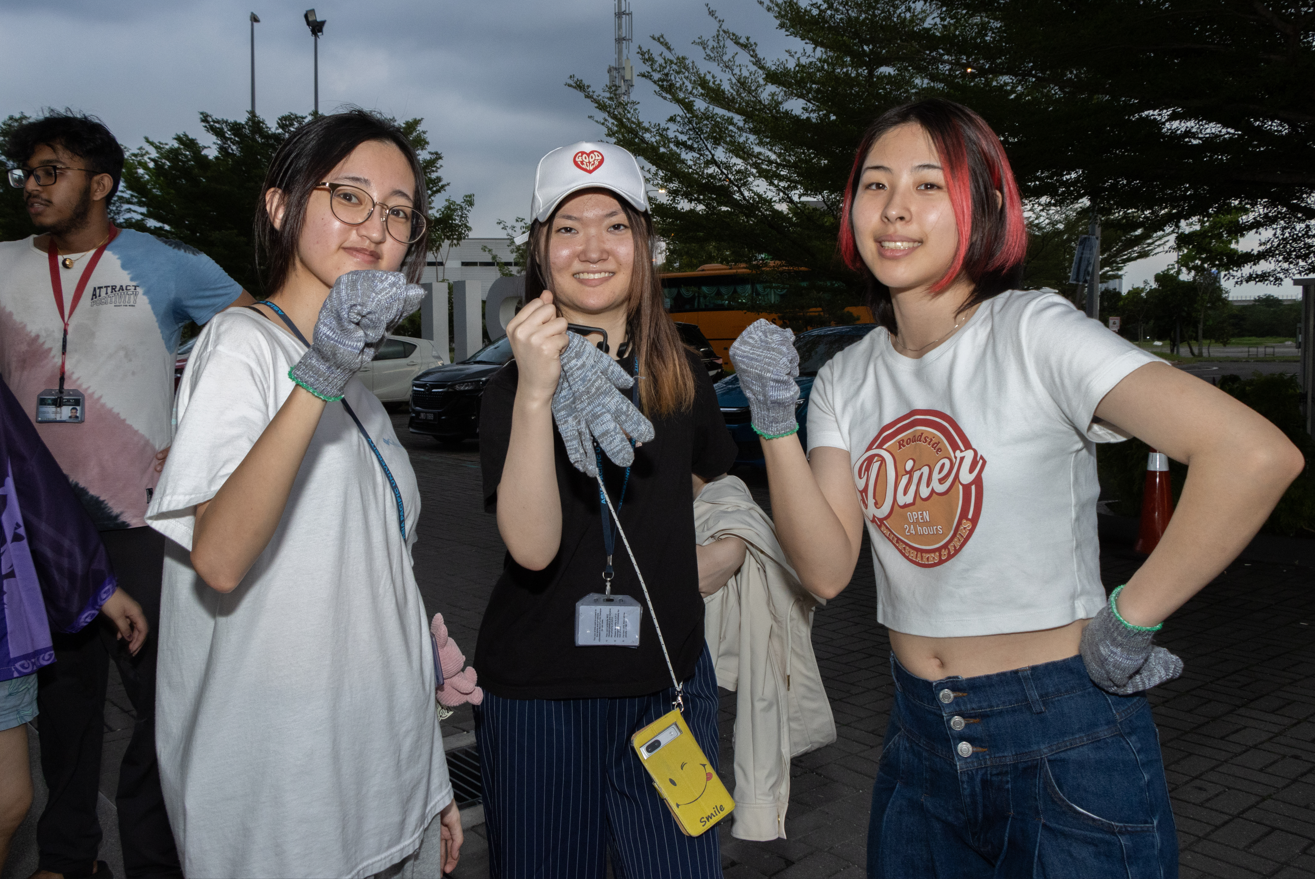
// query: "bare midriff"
[[936, 658]]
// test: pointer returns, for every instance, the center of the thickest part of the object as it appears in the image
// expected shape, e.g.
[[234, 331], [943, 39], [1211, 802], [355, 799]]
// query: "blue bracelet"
[[1114, 608]]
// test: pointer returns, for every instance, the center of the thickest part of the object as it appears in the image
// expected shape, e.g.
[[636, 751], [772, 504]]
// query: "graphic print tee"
[[121, 344], [975, 465]]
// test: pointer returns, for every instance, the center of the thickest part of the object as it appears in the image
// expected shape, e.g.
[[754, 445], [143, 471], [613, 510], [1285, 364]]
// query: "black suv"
[[445, 400], [692, 336]]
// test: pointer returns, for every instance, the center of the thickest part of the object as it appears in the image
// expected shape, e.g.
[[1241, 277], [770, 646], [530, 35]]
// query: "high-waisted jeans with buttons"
[[1027, 773]]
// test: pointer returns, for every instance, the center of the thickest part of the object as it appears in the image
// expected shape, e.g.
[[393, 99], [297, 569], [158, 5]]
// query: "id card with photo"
[[607, 621], [56, 408]]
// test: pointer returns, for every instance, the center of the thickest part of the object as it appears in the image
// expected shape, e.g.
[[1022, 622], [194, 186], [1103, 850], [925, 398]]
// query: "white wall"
[[469, 251]]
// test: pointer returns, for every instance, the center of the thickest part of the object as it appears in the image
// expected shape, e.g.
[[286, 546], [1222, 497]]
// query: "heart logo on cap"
[[588, 162]]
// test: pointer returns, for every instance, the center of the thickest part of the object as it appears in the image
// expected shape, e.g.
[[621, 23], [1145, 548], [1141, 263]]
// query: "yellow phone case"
[[682, 774]]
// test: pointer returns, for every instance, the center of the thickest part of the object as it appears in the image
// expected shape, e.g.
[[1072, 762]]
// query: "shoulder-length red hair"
[[992, 232]]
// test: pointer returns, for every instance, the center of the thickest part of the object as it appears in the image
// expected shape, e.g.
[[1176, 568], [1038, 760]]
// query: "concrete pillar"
[[466, 324], [433, 318], [500, 304]]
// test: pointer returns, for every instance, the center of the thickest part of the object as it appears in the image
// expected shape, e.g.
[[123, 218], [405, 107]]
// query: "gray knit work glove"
[[361, 307], [767, 363], [1122, 661], [588, 405]]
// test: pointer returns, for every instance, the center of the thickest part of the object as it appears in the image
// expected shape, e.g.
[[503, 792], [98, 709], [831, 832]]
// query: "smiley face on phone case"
[[696, 777]]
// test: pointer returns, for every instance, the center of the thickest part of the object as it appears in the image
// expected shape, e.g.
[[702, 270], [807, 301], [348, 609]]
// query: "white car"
[[400, 359]]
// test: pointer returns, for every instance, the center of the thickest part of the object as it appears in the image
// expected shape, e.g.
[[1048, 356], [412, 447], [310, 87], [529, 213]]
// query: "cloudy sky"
[[487, 77]]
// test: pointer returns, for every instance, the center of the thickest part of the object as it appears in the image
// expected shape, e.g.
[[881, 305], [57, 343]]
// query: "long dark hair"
[[301, 163], [668, 385], [992, 236]]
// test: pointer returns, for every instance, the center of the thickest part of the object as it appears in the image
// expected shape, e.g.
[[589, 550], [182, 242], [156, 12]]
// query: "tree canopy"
[[14, 222], [1164, 113], [205, 196]]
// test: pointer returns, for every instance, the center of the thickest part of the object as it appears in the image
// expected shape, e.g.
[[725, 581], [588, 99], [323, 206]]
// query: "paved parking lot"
[[1238, 729]]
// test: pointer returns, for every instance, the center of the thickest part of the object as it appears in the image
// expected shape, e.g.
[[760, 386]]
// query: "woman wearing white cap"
[[563, 788]]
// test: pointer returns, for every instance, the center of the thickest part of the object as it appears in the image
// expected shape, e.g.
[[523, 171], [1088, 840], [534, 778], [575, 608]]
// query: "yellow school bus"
[[723, 300]]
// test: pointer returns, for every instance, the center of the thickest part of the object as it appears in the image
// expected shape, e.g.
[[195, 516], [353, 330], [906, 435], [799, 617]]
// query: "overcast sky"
[[487, 77]]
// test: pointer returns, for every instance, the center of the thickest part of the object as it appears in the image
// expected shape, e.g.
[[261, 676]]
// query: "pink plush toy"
[[458, 686]]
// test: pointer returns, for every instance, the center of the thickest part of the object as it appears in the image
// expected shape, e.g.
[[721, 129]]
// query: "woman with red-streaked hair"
[[963, 438]]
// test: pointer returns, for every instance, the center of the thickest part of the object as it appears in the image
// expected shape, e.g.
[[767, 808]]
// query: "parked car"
[[445, 400], [815, 348], [692, 336], [389, 374], [397, 362]]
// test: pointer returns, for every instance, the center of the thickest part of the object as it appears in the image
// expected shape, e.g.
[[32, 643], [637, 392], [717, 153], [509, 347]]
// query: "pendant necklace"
[[953, 330], [68, 262]]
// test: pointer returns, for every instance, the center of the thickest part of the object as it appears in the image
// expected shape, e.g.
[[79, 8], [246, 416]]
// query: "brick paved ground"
[[1238, 729]]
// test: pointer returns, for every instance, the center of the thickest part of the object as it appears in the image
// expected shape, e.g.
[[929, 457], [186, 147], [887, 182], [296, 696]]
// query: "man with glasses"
[[90, 319]]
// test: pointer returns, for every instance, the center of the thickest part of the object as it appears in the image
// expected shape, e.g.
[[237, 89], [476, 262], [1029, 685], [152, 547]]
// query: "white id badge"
[[607, 621], [56, 408]]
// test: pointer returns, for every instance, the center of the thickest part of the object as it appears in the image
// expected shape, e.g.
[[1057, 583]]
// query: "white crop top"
[[976, 465]]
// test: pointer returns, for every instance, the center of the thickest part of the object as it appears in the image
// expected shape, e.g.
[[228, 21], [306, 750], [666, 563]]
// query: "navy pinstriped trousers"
[[563, 787]]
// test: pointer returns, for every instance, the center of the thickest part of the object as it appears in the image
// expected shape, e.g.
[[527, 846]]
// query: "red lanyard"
[[58, 286]]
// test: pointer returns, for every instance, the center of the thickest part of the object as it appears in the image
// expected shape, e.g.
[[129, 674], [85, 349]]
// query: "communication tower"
[[621, 75]]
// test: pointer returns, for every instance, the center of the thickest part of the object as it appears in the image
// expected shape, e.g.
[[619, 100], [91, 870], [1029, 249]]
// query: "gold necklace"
[[953, 330], [68, 262]]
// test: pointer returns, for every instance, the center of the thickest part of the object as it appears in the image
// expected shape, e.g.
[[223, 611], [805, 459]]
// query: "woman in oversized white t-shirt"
[[962, 438], [296, 722]]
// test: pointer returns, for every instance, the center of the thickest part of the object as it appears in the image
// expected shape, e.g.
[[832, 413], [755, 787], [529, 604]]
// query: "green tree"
[[1224, 323], [1134, 307], [1205, 252], [1172, 306], [1186, 109], [1053, 233], [1159, 113], [14, 221], [205, 196], [1270, 316]]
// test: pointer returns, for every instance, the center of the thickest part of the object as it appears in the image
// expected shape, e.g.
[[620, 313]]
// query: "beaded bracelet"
[[312, 390], [1114, 608], [789, 432]]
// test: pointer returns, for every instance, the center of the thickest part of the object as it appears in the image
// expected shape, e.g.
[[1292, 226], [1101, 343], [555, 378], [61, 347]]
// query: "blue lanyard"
[[397, 492], [609, 537]]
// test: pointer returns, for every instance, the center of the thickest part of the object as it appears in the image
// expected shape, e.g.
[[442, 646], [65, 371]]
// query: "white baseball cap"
[[586, 165]]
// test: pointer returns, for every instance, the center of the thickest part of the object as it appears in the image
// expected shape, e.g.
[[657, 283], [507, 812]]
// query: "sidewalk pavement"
[[1237, 729]]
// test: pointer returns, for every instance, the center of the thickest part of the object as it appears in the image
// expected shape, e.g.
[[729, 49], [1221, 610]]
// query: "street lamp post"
[[255, 20], [316, 26]]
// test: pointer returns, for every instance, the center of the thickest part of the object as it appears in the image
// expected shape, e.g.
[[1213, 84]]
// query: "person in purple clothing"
[[54, 574]]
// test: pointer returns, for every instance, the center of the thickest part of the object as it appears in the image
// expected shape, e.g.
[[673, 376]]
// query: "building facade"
[[471, 260]]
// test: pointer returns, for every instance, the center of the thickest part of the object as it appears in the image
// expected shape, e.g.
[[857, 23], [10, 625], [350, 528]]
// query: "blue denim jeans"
[[1033, 772]]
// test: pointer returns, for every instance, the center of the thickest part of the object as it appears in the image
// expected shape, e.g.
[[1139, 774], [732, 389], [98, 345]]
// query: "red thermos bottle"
[[1156, 503]]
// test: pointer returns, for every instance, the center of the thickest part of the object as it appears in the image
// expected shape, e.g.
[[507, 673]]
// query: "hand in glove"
[[767, 363], [359, 311], [1122, 660], [588, 405]]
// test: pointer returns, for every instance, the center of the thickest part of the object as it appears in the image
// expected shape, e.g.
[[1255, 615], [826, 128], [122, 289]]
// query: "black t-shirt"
[[526, 647]]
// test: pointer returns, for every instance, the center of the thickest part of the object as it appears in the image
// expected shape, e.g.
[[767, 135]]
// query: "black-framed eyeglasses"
[[353, 206], [45, 175]]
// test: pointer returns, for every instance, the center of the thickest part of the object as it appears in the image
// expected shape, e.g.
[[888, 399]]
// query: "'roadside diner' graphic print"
[[920, 483]]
